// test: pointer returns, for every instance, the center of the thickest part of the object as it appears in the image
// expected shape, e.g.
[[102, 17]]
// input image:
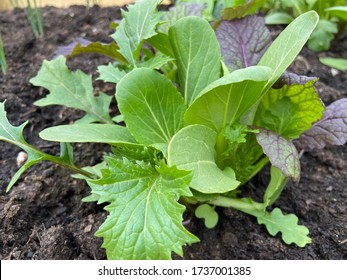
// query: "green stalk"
[[3, 62], [35, 19]]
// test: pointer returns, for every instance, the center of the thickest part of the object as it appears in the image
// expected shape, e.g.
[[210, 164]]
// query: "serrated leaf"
[[192, 148], [281, 152], [276, 222], [145, 219], [243, 41], [207, 213], [330, 130], [110, 73], [72, 90], [197, 54], [82, 46], [288, 44], [227, 99], [180, 11], [290, 110], [85, 133], [322, 36], [151, 106], [137, 25]]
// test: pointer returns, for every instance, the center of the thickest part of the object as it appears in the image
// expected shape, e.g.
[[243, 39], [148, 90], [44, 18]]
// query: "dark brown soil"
[[43, 216]]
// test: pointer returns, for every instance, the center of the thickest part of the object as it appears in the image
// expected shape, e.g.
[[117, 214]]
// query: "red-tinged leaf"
[[281, 152], [331, 130]]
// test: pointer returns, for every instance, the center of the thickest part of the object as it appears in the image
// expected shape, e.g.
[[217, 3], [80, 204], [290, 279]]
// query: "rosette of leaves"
[[198, 120]]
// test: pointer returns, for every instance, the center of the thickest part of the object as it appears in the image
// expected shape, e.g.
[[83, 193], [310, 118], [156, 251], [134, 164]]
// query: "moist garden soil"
[[43, 217]]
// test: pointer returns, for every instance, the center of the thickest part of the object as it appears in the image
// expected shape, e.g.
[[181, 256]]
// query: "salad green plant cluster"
[[202, 110], [332, 13]]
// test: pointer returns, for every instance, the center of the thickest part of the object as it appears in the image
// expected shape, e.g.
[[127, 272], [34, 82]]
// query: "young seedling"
[[196, 123], [3, 62], [35, 18]]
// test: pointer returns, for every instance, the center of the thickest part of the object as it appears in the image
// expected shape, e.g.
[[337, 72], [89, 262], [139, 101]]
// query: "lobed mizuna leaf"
[[243, 41], [330, 130], [179, 11], [81, 46], [151, 106], [138, 24], [290, 110], [84, 133], [227, 99], [145, 219], [110, 73], [192, 148], [156, 62], [73, 90], [281, 152], [288, 44], [276, 222], [197, 54]]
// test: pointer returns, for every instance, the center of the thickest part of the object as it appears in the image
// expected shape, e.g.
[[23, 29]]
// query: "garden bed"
[[43, 216]]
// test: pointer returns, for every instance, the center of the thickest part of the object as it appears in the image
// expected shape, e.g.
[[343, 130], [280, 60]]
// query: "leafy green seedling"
[[337, 63], [208, 213], [195, 124], [3, 62], [35, 18]]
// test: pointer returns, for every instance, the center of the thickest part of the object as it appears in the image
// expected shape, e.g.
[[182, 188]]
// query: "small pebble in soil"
[[21, 158]]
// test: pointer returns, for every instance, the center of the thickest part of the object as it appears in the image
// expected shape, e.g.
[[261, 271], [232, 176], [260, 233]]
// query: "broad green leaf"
[[156, 62], [110, 73], [137, 25], [288, 44], [337, 63], [290, 110], [145, 219], [281, 152], [227, 99], [161, 42], [276, 222], [243, 41], [278, 18], [192, 148], [72, 90], [275, 187], [322, 36], [208, 213], [197, 54], [85, 133], [151, 106], [338, 11]]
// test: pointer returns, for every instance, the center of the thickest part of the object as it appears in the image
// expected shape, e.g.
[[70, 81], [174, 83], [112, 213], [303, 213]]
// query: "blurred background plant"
[[3, 63], [34, 16]]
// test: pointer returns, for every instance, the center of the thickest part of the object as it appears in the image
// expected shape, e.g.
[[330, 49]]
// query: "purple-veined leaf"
[[281, 152], [330, 130], [243, 41], [289, 79], [81, 46]]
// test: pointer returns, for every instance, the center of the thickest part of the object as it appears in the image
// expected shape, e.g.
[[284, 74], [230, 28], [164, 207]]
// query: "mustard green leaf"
[[110, 73], [290, 110], [275, 187], [281, 152], [227, 99], [197, 53], [73, 90], [276, 222], [84, 133], [192, 148], [288, 44], [138, 24], [145, 219], [152, 107], [243, 41]]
